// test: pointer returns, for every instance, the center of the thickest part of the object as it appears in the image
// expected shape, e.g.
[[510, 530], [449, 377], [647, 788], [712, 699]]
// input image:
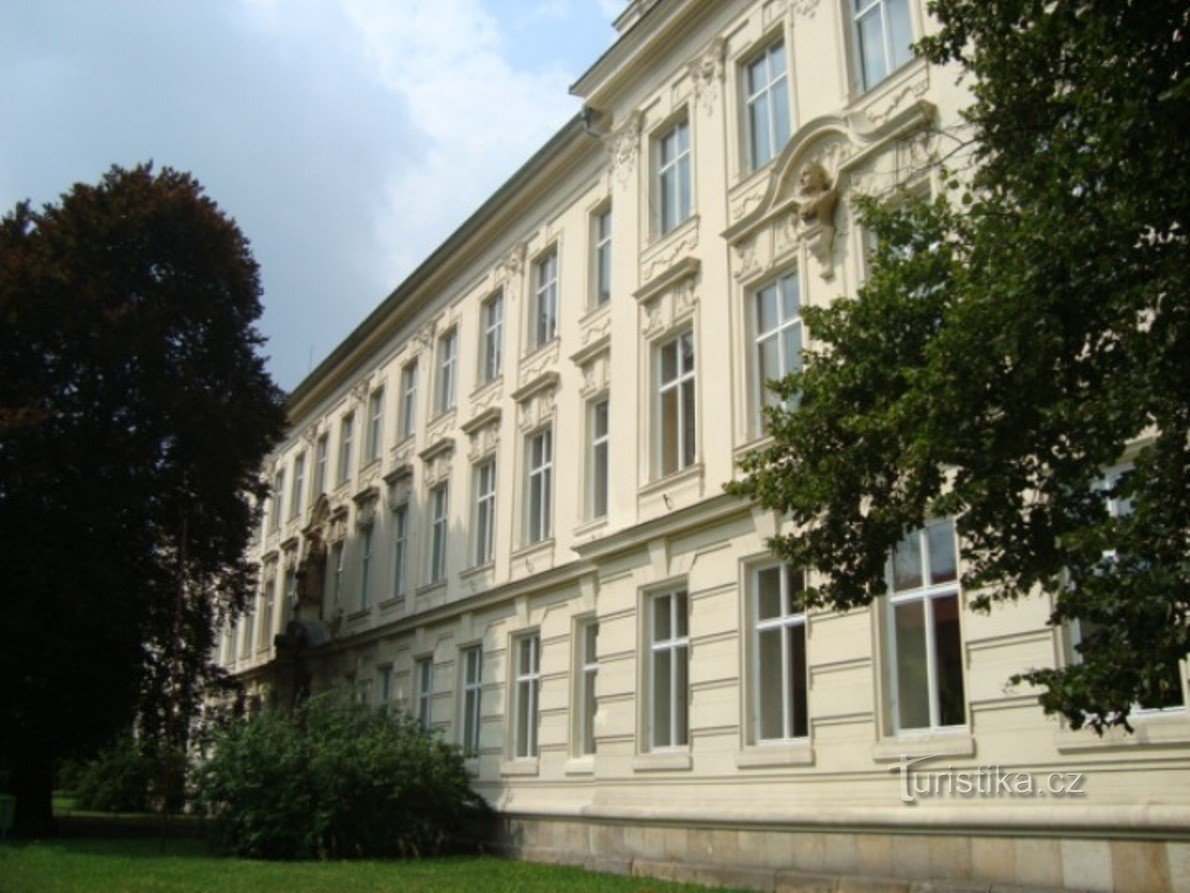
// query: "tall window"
[[527, 682], [336, 578], [597, 459], [266, 612], [545, 305], [400, 549], [673, 176], [767, 102], [365, 567], [346, 445], [588, 670], [424, 673], [385, 688], [408, 398], [669, 685], [539, 484], [472, 698], [675, 404], [448, 360], [439, 504], [883, 34], [777, 323], [278, 499], [491, 347], [247, 642], [925, 645], [320, 454], [485, 510], [779, 653], [601, 256], [375, 438], [299, 485]]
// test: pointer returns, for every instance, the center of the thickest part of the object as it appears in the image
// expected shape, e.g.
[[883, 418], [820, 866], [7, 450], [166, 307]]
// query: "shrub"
[[118, 779], [335, 780]]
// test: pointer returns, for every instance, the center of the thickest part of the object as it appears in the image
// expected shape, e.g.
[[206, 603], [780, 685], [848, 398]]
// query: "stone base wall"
[[840, 861]]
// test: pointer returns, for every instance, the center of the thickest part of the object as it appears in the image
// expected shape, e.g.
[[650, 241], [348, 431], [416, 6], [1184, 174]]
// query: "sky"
[[348, 138]]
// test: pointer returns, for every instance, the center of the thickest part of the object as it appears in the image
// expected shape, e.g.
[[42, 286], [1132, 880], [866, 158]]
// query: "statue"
[[311, 573], [817, 200]]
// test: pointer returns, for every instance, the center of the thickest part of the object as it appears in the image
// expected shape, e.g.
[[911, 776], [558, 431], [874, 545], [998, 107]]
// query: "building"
[[500, 504]]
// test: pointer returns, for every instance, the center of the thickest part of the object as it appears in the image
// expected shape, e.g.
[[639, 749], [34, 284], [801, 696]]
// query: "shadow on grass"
[[131, 848]]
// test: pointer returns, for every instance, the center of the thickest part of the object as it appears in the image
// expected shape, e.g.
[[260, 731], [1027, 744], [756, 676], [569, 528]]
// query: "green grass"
[[139, 865]]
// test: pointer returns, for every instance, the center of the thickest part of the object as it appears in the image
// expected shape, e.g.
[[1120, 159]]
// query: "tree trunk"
[[33, 785]]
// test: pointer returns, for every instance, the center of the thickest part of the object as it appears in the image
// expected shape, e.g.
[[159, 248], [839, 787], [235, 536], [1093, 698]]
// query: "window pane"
[[907, 563], [766, 309], [680, 613], [791, 344], [686, 344], [662, 731], [669, 362], [797, 680], [683, 188], [768, 593], [590, 642], [600, 484], [769, 362], [759, 133], [669, 431], [681, 697], [589, 706], [790, 297], [780, 113], [524, 720], [796, 582], [912, 678], [942, 551], [771, 684], [687, 423], [900, 31], [948, 652], [871, 47], [662, 623]]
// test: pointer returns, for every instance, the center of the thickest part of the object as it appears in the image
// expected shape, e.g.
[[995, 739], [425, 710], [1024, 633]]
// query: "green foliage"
[[117, 779], [336, 780], [999, 361]]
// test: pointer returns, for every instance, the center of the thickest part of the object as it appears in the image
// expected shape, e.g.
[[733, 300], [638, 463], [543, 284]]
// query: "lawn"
[[140, 865]]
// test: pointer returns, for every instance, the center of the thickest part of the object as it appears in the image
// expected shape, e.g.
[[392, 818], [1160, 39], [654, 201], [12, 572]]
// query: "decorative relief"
[[706, 73], [484, 440], [817, 202], [425, 335], [436, 462], [596, 375], [748, 199], [596, 327], [911, 92], [485, 397], [665, 257], [747, 261], [513, 261], [805, 8], [538, 363], [365, 515], [438, 426], [403, 452], [537, 410], [916, 153], [623, 144], [400, 486], [670, 308], [772, 11]]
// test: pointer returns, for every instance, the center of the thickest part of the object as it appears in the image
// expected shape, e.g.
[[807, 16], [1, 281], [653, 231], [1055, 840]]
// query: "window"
[[336, 579], [267, 597], [299, 485], [777, 323], [385, 688], [883, 33], [492, 330], [346, 445], [290, 592], [439, 503], [246, 643], [320, 453], [545, 305], [278, 500], [400, 549], [779, 654], [365, 567], [472, 697], [588, 669], [675, 404], [424, 673], [767, 103], [447, 363], [539, 480], [925, 644], [408, 399], [668, 667], [527, 681], [597, 460], [601, 256], [375, 438], [485, 511], [673, 176]]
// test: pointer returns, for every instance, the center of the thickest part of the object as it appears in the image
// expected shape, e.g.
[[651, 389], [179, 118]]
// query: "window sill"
[[663, 761], [359, 614], [545, 545], [538, 350], [523, 766], [429, 588], [369, 464], [658, 240], [478, 569], [590, 527], [484, 387], [927, 743], [390, 603], [584, 765], [1154, 729], [776, 754], [674, 477]]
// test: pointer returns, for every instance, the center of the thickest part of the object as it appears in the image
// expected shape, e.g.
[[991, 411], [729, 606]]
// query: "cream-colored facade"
[[501, 505]]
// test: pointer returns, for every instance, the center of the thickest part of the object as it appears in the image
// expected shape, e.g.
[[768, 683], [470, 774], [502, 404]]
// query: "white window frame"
[[485, 511], [448, 361], [278, 500], [267, 598], [423, 674], [335, 578], [598, 445], [674, 176], [298, 486], [601, 255], [540, 478], [365, 566], [321, 458], [346, 445], [471, 660], [249, 627], [375, 437], [788, 618], [776, 335], [928, 593], [439, 528], [866, 80], [677, 645], [544, 325], [408, 398], [491, 347], [774, 89], [586, 674], [526, 695], [661, 388], [400, 550]]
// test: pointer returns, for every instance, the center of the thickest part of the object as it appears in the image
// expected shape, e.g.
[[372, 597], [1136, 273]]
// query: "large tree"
[[1018, 341], [135, 410]]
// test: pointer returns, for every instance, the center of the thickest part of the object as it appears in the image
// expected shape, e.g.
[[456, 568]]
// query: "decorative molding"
[[596, 373], [706, 73], [484, 435], [538, 363], [663, 255], [436, 461], [438, 447], [592, 350], [669, 309], [546, 380], [487, 417], [623, 145], [806, 8], [513, 262], [486, 395], [685, 268]]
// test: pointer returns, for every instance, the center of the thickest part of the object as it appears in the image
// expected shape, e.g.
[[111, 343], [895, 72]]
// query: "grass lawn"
[[139, 865]]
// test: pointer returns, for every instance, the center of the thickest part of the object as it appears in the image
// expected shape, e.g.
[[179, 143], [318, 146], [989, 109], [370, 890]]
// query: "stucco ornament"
[[311, 572], [706, 72], [818, 199], [623, 145]]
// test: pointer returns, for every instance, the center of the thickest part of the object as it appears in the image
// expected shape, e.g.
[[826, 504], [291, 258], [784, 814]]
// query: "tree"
[[135, 411], [1018, 339]]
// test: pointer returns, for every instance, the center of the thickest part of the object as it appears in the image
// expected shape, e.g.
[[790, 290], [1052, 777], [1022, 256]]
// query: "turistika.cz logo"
[[982, 781]]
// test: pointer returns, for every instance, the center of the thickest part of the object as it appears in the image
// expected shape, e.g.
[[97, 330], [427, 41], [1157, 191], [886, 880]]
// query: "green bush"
[[118, 779], [335, 780]]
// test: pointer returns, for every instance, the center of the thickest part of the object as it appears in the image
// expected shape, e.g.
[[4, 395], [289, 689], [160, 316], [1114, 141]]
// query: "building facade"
[[500, 505]]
